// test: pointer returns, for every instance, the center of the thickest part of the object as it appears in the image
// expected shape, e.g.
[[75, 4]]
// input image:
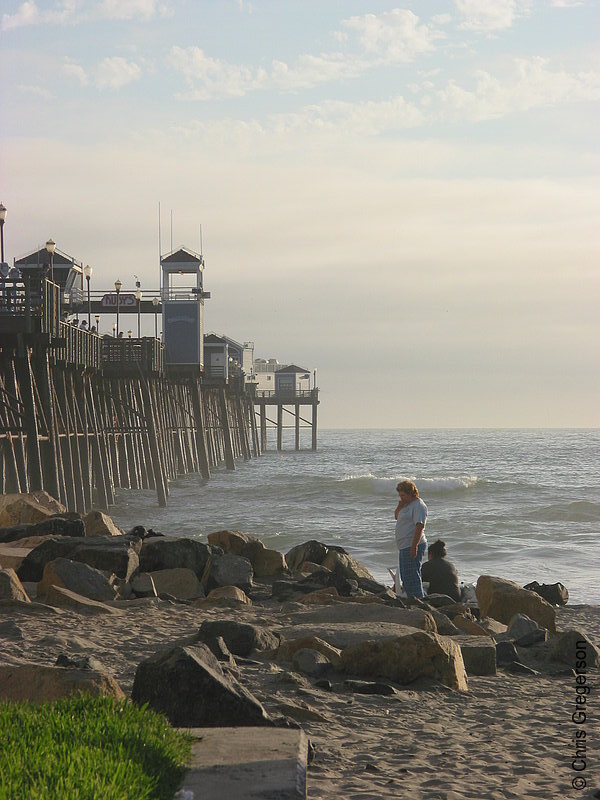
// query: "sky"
[[402, 196]]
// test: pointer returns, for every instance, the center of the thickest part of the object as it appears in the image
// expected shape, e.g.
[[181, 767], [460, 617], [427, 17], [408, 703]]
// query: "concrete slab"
[[246, 764]]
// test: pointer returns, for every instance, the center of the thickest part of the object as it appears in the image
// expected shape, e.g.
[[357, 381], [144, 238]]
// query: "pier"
[[83, 415]]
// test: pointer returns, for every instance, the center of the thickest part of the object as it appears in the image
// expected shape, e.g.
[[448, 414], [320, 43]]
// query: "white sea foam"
[[369, 483]]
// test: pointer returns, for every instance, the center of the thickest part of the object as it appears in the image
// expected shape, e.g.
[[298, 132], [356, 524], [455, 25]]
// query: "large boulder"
[[576, 649], [11, 587], [366, 613], [188, 685], [404, 659], [265, 563], [554, 593], [37, 683], [230, 570], [59, 597], [115, 554], [241, 638], [479, 654], [27, 508], [78, 577], [166, 552], [346, 565], [232, 542], [97, 523], [181, 583], [502, 599], [56, 525], [312, 551]]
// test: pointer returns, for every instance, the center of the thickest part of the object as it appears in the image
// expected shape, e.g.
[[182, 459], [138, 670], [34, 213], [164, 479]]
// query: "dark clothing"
[[442, 577]]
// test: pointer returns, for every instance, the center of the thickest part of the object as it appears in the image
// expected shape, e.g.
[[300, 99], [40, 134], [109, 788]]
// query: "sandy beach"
[[509, 736]]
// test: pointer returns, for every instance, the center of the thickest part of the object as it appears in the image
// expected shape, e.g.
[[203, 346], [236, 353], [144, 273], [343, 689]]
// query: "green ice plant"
[[89, 748]]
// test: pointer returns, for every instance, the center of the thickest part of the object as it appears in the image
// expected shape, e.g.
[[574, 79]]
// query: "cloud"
[[129, 9], [533, 85], [37, 91], [76, 71], [394, 36], [28, 14], [113, 73], [76, 11], [490, 15]]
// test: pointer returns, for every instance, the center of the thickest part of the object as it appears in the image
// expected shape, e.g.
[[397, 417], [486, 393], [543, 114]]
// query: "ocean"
[[520, 504]]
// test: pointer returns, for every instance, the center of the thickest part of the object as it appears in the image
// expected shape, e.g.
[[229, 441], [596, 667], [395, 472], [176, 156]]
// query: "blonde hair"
[[408, 487]]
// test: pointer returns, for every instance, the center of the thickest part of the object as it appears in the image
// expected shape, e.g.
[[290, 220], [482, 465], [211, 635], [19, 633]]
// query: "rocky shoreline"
[[430, 699]]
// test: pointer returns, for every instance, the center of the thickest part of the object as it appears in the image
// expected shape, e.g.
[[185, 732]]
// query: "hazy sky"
[[404, 196]]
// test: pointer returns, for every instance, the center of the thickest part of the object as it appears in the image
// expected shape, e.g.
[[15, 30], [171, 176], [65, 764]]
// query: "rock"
[[324, 684], [533, 637], [188, 685], [288, 648], [165, 552], [520, 669], [403, 659], [56, 525], [60, 597], [143, 585], [502, 599], [492, 627], [267, 563], [22, 508], [97, 523], [373, 587], [479, 654], [506, 652], [10, 630], [241, 638], [230, 541], [369, 687], [230, 593], [519, 625], [467, 625], [37, 683], [575, 649], [216, 645], [115, 554], [347, 565], [311, 662], [12, 556], [179, 582], [312, 551], [11, 587], [554, 593], [439, 600], [79, 662], [78, 577], [443, 625], [230, 570], [320, 596], [367, 613]]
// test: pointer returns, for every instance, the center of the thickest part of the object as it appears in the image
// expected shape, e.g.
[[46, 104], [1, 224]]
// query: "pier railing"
[[120, 355], [288, 395]]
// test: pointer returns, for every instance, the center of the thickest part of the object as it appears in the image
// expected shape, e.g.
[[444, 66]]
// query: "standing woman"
[[411, 518]]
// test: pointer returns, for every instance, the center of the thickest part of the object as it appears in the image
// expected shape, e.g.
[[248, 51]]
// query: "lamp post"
[[155, 302], [118, 285], [97, 318], [87, 271], [2, 219], [51, 247], [138, 297]]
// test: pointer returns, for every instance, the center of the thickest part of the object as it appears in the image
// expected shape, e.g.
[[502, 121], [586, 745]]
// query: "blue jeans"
[[410, 569]]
